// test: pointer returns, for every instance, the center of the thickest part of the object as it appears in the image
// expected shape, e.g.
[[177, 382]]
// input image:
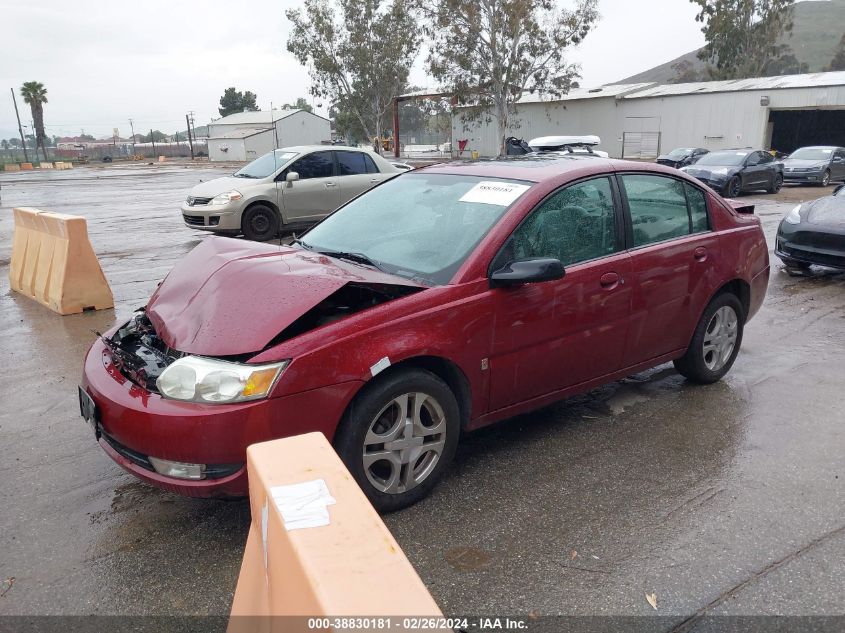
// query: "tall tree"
[[5, 144], [489, 53], [301, 103], [35, 94], [743, 36], [359, 55], [234, 101], [838, 61]]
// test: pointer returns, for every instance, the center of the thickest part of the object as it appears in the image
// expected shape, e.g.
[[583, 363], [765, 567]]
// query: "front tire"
[[777, 183], [399, 436], [260, 223], [825, 178], [715, 342], [733, 188]]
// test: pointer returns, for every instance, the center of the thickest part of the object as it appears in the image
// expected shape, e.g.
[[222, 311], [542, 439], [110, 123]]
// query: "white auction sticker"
[[494, 192]]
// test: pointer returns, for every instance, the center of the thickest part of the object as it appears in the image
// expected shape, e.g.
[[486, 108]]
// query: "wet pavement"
[[725, 499]]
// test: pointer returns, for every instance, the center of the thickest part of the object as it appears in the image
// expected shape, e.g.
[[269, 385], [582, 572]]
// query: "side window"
[[765, 157], [371, 165], [576, 224], [351, 163], [658, 208], [697, 208], [316, 165], [840, 155]]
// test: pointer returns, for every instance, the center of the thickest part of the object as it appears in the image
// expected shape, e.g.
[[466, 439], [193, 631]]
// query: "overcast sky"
[[153, 61]]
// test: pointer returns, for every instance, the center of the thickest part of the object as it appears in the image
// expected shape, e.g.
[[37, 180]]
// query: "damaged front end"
[[138, 353]]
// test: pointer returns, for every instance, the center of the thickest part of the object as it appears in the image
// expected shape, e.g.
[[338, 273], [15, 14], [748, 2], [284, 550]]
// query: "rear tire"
[[398, 437], [260, 223], [715, 342]]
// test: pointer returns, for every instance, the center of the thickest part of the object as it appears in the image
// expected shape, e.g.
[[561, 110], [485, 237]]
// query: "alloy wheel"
[[825, 179], [720, 338], [404, 442]]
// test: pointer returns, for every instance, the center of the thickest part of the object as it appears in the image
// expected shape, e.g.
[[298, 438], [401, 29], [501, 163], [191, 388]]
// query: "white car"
[[287, 188]]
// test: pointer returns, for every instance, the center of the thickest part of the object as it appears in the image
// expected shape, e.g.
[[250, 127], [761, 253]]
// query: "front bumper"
[[134, 423], [222, 218], [811, 247], [802, 177]]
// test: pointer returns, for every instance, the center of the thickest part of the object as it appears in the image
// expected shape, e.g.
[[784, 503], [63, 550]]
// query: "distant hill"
[[819, 25]]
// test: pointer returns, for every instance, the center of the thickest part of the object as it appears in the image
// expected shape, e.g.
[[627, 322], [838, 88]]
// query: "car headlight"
[[226, 198], [721, 171], [794, 216], [199, 379]]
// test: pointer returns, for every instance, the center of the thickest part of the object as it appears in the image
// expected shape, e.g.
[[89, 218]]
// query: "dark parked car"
[[682, 157], [814, 233], [815, 165], [734, 171], [107, 159], [438, 302]]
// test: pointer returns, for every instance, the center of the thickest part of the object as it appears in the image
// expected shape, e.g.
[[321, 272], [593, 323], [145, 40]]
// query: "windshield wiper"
[[296, 240], [244, 176], [359, 258]]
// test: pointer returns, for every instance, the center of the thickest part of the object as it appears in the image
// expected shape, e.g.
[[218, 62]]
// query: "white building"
[[247, 135], [644, 120]]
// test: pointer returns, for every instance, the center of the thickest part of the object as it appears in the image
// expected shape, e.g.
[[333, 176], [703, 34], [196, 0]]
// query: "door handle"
[[331, 184], [610, 280], [700, 254]]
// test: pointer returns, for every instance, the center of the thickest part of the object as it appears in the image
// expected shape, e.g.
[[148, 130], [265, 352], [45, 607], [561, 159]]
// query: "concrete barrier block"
[[45, 165], [12, 167], [161, 159], [328, 569], [26, 167], [54, 263]]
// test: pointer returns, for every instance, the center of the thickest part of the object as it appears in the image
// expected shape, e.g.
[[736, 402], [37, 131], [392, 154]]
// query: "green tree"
[[838, 61], [359, 54], [155, 135], [301, 103], [489, 53], [35, 94], [234, 101], [5, 144], [685, 72], [15, 142], [743, 36]]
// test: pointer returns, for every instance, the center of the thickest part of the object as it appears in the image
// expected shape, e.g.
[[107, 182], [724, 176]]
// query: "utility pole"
[[132, 126], [20, 128], [190, 139], [153, 141]]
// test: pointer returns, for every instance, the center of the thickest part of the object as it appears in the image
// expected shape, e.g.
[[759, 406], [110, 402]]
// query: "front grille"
[[194, 201], [815, 239], [194, 220]]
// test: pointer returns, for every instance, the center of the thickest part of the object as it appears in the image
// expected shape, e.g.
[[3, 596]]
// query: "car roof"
[[327, 148], [818, 147], [535, 167]]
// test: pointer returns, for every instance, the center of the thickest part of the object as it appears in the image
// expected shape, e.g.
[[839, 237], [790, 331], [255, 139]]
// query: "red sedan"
[[438, 302]]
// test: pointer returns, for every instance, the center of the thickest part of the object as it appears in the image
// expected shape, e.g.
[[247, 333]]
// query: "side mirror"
[[527, 271], [290, 178]]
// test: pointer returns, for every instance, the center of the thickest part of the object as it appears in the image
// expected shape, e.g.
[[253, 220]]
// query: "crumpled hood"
[[708, 171], [229, 297], [220, 185], [828, 211]]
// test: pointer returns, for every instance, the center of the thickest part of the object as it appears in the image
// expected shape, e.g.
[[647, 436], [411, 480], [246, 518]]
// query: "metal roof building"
[[643, 120], [247, 135]]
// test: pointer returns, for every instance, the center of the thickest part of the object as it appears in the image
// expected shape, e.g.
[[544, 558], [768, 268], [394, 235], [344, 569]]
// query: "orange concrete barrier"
[[161, 159], [12, 167], [316, 546], [26, 167], [54, 263]]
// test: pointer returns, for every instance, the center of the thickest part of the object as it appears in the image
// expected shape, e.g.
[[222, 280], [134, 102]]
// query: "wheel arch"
[[741, 289], [441, 367], [265, 203]]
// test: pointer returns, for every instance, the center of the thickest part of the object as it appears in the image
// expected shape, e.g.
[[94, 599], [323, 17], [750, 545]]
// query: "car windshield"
[[681, 151], [419, 226], [265, 165], [722, 158], [812, 153]]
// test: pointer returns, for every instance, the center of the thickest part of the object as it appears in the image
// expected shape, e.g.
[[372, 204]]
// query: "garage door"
[[792, 129]]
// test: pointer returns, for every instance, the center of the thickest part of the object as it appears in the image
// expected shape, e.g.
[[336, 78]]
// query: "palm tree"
[[35, 94]]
